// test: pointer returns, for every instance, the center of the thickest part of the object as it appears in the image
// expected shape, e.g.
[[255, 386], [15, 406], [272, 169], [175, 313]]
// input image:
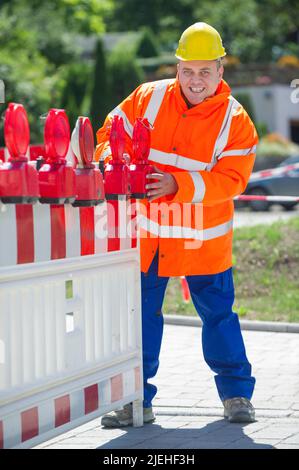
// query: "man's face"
[[199, 79]]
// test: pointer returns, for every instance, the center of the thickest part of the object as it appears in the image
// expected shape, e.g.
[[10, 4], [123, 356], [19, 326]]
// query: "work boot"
[[124, 417], [239, 410]]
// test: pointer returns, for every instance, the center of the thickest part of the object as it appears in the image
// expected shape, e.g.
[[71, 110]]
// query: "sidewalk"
[[189, 413]]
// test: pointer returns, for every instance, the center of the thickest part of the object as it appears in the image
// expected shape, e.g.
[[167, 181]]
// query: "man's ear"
[[220, 73]]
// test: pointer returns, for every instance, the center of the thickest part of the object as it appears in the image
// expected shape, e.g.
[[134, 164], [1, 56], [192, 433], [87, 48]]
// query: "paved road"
[[246, 217], [189, 413]]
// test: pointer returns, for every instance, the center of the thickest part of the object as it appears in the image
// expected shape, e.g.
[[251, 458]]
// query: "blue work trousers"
[[222, 342]]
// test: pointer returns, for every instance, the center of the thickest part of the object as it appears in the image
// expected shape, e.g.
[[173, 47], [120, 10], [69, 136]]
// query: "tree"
[[82, 16], [124, 74], [74, 91], [38, 56], [99, 106], [29, 78], [166, 18], [253, 30], [133, 14], [147, 45]]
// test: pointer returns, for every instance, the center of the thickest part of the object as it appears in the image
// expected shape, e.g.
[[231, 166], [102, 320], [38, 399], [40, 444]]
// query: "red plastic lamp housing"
[[141, 140], [140, 167], [18, 179], [82, 141], [16, 131], [117, 138], [56, 134], [89, 180]]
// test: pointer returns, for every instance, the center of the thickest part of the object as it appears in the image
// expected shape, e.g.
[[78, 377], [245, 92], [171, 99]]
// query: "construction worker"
[[203, 146]]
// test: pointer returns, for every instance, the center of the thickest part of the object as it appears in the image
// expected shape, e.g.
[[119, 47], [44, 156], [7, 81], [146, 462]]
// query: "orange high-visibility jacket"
[[210, 150]]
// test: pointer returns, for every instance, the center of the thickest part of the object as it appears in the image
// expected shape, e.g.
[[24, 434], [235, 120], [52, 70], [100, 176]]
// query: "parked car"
[[290, 160], [280, 181]]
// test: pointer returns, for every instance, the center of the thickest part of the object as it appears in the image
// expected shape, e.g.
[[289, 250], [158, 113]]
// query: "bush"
[[261, 128], [76, 80], [124, 75], [288, 61], [245, 100], [272, 150], [33, 83], [147, 45], [277, 145], [29, 77]]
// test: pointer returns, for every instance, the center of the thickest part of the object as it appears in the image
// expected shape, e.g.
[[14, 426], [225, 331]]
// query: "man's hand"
[[165, 185]]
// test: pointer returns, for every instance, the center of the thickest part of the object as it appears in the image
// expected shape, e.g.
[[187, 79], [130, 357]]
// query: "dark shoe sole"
[[123, 425], [241, 418]]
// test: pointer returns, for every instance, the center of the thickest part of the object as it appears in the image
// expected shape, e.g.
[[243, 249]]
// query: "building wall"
[[272, 105]]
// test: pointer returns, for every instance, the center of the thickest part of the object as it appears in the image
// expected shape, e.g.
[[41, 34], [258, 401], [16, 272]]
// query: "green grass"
[[266, 274]]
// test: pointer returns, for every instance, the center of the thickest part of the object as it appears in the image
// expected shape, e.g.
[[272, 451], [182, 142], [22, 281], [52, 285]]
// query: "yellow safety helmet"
[[200, 42]]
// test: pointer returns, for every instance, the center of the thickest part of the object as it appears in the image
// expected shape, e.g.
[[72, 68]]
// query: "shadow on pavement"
[[219, 434]]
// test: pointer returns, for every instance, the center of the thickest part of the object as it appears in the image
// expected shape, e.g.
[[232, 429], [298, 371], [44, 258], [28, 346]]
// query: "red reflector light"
[[86, 140], [141, 140], [16, 130], [56, 134], [117, 138]]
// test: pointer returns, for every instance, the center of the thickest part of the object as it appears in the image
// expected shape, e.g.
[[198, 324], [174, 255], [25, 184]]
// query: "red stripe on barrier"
[[29, 420], [116, 388], [62, 410], [25, 233], [1, 436], [113, 228], [91, 397], [133, 212], [58, 236], [87, 230]]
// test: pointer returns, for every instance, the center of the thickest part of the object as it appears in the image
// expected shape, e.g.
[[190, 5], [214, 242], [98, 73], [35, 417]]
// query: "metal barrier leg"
[[137, 413]]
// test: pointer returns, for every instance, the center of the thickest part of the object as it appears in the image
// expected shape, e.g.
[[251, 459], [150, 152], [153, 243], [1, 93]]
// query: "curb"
[[278, 327], [218, 411]]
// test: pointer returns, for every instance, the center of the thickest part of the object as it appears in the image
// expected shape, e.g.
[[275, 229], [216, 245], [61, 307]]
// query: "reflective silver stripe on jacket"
[[184, 163], [222, 138], [167, 231], [152, 107], [127, 125], [156, 100], [105, 153], [199, 186], [237, 152]]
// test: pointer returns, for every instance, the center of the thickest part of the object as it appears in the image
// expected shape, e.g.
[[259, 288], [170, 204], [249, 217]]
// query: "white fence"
[[70, 331]]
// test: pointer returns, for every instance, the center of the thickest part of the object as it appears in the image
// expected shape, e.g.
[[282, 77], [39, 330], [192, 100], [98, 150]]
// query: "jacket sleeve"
[[229, 176], [127, 109]]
